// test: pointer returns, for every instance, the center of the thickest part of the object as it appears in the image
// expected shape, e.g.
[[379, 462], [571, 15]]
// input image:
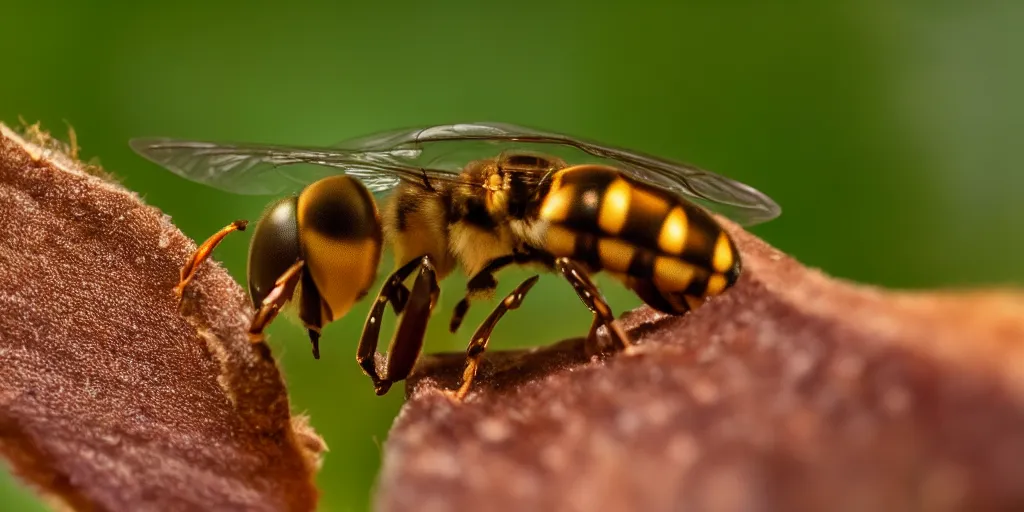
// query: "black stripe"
[[700, 237], [406, 206], [472, 210], [642, 264], [585, 251], [340, 208], [588, 187], [645, 289], [737, 265], [645, 219], [476, 213], [522, 188], [699, 284]]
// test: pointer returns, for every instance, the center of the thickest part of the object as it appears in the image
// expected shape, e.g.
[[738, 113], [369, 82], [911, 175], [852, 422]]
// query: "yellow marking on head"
[[615, 207], [723, 258], [672, 238], [716, 285], [616, 255], [556, 205], [671, 274], [560, 241]]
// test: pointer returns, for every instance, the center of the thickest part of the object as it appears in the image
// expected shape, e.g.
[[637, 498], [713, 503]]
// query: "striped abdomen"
[[670, 252]]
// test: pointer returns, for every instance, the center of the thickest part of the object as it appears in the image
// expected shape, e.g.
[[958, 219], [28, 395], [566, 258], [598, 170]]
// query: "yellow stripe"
[[556, 205], [723, 257], [616, 255], [716, 284], [672, 239], [560, 241], [615, 207], [671, 274]]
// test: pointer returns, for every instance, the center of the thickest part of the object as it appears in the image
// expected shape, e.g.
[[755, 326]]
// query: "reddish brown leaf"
[[110, 399], [791, 392]]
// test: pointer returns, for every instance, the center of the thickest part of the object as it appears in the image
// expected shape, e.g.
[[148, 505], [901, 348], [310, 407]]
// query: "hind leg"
[[588, 293]]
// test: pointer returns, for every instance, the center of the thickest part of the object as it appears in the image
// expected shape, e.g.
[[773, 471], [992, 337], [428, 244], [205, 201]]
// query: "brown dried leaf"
[[110, 399], [792, 392]]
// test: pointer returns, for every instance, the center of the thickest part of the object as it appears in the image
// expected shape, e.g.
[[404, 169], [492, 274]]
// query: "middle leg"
[[483, 282], [478, 343]]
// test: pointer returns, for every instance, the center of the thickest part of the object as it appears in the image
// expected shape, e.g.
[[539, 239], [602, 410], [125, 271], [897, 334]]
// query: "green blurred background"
[[890, 132]]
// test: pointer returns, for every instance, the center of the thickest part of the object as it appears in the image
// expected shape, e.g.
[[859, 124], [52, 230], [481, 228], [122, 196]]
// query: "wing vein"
[[430, 154]]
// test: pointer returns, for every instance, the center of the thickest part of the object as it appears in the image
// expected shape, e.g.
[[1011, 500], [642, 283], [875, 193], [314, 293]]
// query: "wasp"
[[476, 196]]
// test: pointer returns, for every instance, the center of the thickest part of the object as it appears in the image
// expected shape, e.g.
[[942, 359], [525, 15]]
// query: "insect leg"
[[282, 292], [478, 344], [310, 310], [392, 291], [591, 297], [483, 282], [188, 271]]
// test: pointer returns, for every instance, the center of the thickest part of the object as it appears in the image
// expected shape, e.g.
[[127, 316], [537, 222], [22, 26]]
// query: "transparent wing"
[[264, 169], [384, 159], [741, 202]]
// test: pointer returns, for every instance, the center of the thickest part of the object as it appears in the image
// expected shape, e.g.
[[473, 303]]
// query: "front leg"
[[282, 292], [201, 254], [415, 307]]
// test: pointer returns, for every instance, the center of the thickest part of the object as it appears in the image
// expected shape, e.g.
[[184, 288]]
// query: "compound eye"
[[273, 248]]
